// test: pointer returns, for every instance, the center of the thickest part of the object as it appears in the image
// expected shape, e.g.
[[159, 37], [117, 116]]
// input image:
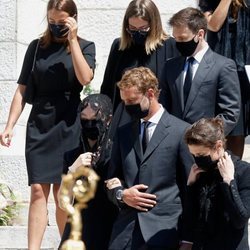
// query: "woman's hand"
[[194, 174], [226, 168], [71, 23], [83, 159], [113, 183], [6, 137]]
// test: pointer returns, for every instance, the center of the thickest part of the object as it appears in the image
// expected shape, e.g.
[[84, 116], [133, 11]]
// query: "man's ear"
[[150, 93], [219, 145], [201, 34]]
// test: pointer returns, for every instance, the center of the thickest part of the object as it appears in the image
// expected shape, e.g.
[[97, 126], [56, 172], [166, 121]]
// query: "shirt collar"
[[199, 55], [157, 116]]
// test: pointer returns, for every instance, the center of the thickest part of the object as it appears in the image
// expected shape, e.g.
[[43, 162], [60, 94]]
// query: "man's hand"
[[139, 200]]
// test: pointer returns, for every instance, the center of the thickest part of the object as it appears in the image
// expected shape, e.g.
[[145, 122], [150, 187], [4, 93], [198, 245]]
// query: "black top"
[[216, 214], [119, 61], [52, 125], [232, 40], [54, 71]]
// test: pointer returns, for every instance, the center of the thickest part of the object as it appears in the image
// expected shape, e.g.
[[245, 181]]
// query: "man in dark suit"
[[149, 166], [200, 83]]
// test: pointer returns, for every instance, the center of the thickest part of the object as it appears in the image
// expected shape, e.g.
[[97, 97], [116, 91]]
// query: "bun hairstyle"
[[206, 132]]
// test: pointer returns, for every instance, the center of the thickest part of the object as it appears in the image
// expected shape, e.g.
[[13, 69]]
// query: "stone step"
[[22, 219], [15, 237]]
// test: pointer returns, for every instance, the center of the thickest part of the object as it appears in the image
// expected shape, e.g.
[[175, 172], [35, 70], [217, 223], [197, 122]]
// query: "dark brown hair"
[[68, 6], [146, 10], [142, 78], [206, 132], [193, 18], [236, 5]]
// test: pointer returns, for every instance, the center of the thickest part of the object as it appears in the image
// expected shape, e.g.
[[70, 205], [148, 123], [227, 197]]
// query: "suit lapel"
[[204, 68], [179, 80], [135, 137], [159, 134]]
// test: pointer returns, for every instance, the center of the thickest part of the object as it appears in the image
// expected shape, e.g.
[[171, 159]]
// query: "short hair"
[[142, 78], [193, 18], [206, 132], [147, 10]]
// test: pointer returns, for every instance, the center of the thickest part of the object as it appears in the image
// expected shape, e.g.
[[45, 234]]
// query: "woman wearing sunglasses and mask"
[[143, 42], [60, 63], [217, 209]]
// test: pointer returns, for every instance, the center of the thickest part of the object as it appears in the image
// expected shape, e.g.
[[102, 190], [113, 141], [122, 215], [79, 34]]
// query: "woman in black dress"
[[64, 63], [229, 35], [143, 43], [217, 209], [94, 151]]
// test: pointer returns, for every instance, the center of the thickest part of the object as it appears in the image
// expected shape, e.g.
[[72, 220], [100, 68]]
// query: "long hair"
[[146, 10], [236, 5], [68, 6]]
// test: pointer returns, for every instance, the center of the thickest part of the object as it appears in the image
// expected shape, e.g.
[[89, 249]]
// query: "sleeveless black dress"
[[53, 126]]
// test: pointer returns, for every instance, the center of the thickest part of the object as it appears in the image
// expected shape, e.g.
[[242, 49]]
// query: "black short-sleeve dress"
[[53, 126]]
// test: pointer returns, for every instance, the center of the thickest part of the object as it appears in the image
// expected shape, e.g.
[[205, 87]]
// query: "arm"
[[132, 196], [217, 18], [165, 95], [236, 192], [16, 109], [228, 95], [83, 71], [109, 81]]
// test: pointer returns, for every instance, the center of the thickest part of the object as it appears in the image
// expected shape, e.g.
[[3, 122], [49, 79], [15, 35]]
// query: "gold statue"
[[81, 185]]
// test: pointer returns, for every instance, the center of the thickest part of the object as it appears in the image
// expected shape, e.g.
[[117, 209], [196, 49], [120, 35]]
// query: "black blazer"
[[215, 90], [227, 211], [121, 60], [163, 168]]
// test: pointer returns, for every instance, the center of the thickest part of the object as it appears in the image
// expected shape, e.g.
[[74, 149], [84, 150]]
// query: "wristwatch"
[[119, 195]]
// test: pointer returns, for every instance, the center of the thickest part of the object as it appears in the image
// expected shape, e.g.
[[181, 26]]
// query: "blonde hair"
[[146, 10], [142, 78]]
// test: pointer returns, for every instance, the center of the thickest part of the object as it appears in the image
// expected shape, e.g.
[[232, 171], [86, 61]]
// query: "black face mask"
[[187, 48], [139, 37], [91, 129], [135, 111], [58, 31], [205, 162]]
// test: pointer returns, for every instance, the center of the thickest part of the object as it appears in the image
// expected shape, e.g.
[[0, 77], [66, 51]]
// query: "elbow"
[[214, 27], [86, 79]]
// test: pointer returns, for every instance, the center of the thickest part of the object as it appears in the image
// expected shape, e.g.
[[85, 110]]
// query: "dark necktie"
[[145, 138], [188, 79]]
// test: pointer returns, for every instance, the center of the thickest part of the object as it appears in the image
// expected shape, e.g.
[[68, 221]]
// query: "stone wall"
[[23, 20]]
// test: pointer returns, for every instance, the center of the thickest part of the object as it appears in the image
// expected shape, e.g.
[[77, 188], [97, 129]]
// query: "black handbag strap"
[[34, 59]]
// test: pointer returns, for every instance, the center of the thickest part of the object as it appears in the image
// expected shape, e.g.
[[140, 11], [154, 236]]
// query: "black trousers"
[[137, 241]]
